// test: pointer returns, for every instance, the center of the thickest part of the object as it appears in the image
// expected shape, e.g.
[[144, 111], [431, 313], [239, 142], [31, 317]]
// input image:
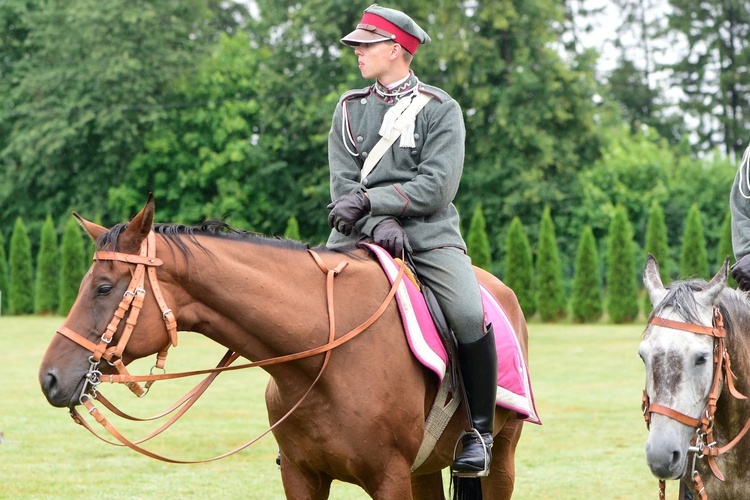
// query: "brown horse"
[[364, 420]]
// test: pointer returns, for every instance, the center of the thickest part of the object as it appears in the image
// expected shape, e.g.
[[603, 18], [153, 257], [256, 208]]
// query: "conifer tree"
[[656, 245], [587, 295], [292, 229], [694, 260], [477, 241], [519, 267], [71, 265], [551, 298], [622, 291], [725, 247], [3, 276], [21, 300], [47, 271]]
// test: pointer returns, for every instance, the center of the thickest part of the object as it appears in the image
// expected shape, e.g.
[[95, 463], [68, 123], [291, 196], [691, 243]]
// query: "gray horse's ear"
[[708, 295], [652, 280]]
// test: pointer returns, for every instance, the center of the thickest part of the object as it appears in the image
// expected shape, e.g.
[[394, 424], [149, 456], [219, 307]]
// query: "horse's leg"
[[428, 486], [499, 484], [299, 485]]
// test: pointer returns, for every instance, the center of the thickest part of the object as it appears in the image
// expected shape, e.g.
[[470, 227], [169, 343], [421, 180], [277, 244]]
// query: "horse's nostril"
[[49, 384], [676, 458]]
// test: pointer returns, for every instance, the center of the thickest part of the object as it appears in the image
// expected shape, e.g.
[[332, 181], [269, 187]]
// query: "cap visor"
[[358, 36]]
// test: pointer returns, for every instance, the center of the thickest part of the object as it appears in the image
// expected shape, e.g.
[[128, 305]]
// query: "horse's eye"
[[103, 290], [701, 360]]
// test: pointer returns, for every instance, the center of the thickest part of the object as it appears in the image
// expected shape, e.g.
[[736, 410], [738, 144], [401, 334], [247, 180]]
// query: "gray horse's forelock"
[[681, 298]]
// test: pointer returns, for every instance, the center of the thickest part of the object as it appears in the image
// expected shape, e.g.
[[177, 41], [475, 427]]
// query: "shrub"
[[72, 266], [622, 291], [694, 260], [47, 271], [21, 300], [587, 295], [477, 242], [519, 266], [551, 299]]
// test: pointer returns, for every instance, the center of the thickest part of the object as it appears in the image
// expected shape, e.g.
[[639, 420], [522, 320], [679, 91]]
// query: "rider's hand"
[[390, 235], [741, 272], [347, 210]]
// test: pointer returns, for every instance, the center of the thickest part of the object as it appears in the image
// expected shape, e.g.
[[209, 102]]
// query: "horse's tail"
[[466, 488]]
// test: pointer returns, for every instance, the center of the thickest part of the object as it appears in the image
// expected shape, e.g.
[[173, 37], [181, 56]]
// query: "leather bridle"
[[146, 263], [703, 444]]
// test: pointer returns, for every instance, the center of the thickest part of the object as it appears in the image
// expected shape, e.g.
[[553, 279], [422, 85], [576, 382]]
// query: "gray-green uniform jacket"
[[416, 185], [739, 204]]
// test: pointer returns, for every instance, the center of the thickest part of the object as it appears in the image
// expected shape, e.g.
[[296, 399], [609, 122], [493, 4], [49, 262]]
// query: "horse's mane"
[[175, 234]]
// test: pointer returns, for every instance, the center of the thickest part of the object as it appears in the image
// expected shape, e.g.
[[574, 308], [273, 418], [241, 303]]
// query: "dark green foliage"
[[3, 276], [586, 303], [519, 267], [551, 297], [72, 266], [47, 271], [21, 289], [724, 249], [656, 245], [694, 260], [477, 241], [622, 291], [292, 229]]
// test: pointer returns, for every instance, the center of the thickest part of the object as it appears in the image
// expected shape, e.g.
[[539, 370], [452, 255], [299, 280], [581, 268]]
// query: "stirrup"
[[479, 473]]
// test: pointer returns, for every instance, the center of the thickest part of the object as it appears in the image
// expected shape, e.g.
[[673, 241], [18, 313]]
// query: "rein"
[[703, 444], [131, 304]]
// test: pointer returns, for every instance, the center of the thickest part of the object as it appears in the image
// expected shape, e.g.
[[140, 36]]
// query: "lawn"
[[587, 382]]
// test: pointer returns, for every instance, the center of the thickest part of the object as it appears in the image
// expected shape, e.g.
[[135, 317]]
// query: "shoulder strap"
[[384, 144]]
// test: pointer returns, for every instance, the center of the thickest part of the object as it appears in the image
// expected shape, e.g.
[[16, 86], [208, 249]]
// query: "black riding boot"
[[478, 364]]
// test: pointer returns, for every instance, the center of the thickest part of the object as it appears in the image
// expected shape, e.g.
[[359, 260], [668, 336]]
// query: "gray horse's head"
[[679, 364]]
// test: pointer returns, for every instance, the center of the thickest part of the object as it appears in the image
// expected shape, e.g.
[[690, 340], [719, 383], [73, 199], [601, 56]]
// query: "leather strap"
[[384, 144]]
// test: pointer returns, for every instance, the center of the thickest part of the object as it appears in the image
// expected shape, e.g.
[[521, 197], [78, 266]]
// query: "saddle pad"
[[513, 380]]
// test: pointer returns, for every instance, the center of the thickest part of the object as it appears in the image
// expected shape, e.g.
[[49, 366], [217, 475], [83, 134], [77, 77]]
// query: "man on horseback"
[[401, 197]]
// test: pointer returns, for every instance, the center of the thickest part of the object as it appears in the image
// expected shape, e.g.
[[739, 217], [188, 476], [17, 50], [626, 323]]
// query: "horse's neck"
[[259, 300], [732, 413]]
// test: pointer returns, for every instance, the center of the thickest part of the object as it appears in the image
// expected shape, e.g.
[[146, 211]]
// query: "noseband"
[[703, 443]]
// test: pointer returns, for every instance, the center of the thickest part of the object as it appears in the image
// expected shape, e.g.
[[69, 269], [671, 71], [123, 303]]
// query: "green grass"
[[587, 382]]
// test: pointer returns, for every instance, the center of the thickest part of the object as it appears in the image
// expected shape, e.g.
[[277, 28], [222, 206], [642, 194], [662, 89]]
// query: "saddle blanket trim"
[[514, 390]]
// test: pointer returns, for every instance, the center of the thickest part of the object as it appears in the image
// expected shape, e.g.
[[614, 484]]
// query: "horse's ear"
[[93, 230], [139, 226], [708, 295], [652, 280]]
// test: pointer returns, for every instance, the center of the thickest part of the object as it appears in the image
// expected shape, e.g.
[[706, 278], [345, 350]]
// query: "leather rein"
[[146, 263], [702, 444]]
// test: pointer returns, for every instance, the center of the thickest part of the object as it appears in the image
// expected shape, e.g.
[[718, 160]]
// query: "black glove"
[[390, 235], [347, 210], [741, 273]]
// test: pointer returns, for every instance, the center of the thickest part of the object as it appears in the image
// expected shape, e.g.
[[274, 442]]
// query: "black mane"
[[175, 233]]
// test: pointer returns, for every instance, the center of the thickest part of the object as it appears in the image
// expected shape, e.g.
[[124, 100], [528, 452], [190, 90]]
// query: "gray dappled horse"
[[695, 344]]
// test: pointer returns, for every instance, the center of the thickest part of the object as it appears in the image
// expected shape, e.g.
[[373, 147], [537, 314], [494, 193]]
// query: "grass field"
[[587, 382]]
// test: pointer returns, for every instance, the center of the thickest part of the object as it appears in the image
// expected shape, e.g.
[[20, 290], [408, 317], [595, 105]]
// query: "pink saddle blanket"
[[513, 380]]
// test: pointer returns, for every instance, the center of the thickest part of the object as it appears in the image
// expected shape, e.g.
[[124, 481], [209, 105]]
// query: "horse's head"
[[98, 327], [679, 364]]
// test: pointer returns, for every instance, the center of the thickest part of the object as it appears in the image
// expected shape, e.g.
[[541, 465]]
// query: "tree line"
[[605, 285], [223, 111]]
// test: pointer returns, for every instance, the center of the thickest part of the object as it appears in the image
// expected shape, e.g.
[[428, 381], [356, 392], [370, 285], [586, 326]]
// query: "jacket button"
[[365, 181], [416, 136], [364, 154], [363, 101], [360, 138]]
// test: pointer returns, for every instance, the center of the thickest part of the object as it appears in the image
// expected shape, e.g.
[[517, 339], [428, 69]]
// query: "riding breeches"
[[449, 274]]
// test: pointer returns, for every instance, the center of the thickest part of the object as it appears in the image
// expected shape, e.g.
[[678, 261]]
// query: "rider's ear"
[[139, 226], [93, 230]]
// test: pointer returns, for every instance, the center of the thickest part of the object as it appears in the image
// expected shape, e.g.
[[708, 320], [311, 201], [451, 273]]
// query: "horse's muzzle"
[[56, 393]]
